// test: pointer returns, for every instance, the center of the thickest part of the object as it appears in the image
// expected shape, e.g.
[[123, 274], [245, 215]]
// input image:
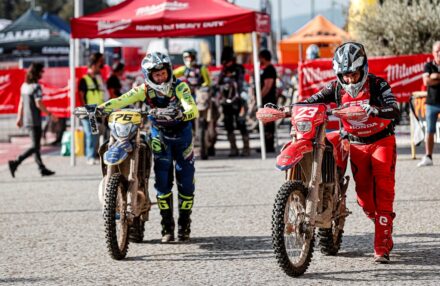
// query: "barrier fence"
[[404, 73]]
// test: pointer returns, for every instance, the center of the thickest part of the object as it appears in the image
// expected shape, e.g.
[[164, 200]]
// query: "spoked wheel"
[[292, 241], [115, 217]]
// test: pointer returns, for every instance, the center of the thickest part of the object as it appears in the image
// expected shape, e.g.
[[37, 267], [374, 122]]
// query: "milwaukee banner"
[[57, 100], [403, 73], [10, 83]]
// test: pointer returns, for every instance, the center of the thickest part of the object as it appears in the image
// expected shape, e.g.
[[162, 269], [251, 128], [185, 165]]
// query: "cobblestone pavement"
[[51, 231]]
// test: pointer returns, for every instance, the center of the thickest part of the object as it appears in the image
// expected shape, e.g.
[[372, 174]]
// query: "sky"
[[294, 7]]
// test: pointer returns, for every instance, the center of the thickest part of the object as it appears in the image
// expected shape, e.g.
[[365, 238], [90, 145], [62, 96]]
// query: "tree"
[[398, 27]]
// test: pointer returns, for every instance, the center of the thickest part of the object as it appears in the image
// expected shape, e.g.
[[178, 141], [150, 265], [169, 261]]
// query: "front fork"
[[315, 181], [139, 202]]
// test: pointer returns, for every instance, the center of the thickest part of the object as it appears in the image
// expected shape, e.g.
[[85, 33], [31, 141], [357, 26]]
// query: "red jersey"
[[376, 92], [371, 125]]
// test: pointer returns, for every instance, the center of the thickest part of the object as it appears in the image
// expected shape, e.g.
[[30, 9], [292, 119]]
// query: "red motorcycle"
[[313, 195]]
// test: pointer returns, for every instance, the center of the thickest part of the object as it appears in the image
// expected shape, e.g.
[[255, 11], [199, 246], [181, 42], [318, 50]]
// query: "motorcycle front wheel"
[[292, 241], [115, 217]]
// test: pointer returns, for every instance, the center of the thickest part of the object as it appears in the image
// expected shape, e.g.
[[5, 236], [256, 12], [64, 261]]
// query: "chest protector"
[[370, 125], [194, 76], [153, 99]]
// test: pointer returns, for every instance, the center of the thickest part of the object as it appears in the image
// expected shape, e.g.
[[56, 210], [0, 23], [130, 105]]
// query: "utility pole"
[[312, 9]]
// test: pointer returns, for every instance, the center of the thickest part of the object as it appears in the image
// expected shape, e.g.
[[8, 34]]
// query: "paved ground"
[[51, 231]]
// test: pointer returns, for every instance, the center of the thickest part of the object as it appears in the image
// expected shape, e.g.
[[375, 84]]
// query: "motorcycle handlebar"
[[98, 112]]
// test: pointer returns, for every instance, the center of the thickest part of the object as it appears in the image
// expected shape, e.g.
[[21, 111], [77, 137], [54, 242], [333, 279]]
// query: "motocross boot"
[[383, 241], [234, 150], [184, 221], [246, 152], [13, 165], [165, 203]]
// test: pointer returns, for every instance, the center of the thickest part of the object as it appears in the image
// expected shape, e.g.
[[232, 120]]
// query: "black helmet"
[[350, 57], [154, 62]]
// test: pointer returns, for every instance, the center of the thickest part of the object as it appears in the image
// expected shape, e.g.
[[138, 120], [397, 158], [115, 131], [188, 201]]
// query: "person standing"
[[431, 78], [372, 140], [268, 94], [91, 91], [196, 75], [114, 85], [170, 139], [29, 115], [230, 85]]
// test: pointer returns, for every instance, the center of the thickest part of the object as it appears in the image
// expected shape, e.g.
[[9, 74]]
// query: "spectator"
[[312, 52], [29, 115], [91, 91], [233, 106], [431, 78], [114, 85], [230, 64], [268, 94]]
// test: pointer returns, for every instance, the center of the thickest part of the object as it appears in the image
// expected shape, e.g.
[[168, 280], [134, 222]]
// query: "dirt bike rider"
[[170, 139], [373, 144], [196, 75]]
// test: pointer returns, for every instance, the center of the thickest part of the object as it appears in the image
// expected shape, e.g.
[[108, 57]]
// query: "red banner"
[[57, 100], [10, 83], [403, 73]]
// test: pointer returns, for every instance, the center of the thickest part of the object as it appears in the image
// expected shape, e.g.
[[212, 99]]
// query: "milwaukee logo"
[[396, 72], [317, 75], [108, 27], [5, 80], [167, 6]]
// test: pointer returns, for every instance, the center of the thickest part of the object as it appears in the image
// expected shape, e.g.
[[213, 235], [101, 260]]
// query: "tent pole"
[[258, 91], [78, 11], [218, 46], [102, 46], [72, 65]]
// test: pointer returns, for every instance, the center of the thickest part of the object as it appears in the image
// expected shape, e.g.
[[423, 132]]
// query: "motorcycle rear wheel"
[[202, 139], [292, 245], [115, 217]]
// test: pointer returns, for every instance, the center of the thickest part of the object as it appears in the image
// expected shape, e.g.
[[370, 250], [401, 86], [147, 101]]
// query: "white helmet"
[[312, 52], [154, 62], [351, 57]]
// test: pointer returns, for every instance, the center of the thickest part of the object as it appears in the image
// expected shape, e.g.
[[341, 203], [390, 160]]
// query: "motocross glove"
[[370, 110]]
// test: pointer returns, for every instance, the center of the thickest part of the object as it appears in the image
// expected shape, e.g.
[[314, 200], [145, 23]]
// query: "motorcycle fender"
[[115, 155], [292, 153], [101, 192]]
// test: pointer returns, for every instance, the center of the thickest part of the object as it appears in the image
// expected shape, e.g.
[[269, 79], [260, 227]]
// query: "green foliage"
[[399, 27]]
